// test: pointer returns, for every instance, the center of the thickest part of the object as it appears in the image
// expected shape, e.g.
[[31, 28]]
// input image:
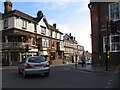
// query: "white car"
[[34, 65], [89, 61]]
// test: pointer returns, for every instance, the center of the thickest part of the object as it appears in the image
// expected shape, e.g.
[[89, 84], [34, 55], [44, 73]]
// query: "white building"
[[24, 35]]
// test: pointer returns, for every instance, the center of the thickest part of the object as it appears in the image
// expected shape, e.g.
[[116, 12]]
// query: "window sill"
[[24, 28]]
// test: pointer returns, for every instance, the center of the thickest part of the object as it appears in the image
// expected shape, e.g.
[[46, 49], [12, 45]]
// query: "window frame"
[[111, 43], [43, 30], [5, 23], [24, 24]]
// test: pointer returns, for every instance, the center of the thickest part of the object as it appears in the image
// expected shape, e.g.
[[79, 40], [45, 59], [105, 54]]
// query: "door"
[[15, 58]]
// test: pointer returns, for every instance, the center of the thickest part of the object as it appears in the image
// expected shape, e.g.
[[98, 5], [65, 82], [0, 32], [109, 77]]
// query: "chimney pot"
[[54, 25], [40, 14], [7, 6]]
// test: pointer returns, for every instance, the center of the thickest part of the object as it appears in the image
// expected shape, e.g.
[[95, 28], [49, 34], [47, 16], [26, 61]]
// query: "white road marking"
[[110, 80], [108, 83]]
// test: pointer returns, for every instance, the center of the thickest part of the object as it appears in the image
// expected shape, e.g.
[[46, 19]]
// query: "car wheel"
[[46, 74], [24, 74]]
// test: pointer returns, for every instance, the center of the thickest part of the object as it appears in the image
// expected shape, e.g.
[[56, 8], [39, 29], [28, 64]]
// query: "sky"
[[70, 16]]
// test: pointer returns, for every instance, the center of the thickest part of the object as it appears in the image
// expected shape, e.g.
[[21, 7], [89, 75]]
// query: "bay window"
[[114, 42]]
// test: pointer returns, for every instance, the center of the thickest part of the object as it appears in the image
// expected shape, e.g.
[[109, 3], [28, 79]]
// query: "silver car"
[[34, 65]]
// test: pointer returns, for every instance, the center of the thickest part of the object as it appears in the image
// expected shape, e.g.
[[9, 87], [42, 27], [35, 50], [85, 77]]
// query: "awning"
[[33, 50], [44, 53]]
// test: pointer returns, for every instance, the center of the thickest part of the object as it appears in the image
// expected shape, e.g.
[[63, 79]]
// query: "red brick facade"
[[99, 16]]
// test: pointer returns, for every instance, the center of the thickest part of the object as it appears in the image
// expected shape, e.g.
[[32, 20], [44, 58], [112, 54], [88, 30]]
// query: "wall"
[[42, 23], [18, 24], [1, 25]]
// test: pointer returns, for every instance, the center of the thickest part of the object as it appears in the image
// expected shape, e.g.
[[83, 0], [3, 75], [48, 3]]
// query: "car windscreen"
[[36, 59]]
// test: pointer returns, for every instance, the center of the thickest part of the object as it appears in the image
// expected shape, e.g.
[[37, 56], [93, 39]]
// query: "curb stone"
[[92, 70]]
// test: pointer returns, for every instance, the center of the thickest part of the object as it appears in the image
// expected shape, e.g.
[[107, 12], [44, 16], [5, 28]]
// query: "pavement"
[[86, 67], [97, 68]]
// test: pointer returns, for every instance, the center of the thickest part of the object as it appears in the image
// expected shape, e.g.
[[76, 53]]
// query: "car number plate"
[[38, 65]]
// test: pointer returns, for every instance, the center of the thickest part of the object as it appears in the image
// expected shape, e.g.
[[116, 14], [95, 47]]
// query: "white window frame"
[[43, 30], [45, 42], [24, 24], [113, 11], [111, 43], [115, 45]]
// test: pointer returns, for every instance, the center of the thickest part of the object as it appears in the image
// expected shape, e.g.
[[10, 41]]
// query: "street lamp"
[[107, 46], [75, 60]]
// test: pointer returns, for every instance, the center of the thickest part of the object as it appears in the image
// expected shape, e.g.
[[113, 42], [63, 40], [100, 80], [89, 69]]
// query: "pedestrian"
[[83, 61]]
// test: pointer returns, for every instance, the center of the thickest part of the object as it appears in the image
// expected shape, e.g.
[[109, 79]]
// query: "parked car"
[[34, 65], [80, 62], [89, 61]]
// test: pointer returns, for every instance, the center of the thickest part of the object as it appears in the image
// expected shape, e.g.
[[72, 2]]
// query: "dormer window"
[[43, 30], [5, 23], [24, 24]]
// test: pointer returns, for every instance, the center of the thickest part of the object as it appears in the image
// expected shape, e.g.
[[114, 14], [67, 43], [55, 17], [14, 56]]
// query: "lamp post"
[[107, 47], [75, 60]]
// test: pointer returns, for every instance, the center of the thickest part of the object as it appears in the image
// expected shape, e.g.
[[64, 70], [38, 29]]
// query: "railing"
[[10, 45]]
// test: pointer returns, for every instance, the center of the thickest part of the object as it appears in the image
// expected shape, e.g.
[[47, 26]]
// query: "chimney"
[[74, 38], [69, 34], [71, 37], [7, 6], [40, 14], [54, 25]]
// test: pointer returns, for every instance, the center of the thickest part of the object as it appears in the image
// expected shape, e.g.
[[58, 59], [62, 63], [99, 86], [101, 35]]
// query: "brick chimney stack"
[[40, 14], [7, 6], [54, 25]]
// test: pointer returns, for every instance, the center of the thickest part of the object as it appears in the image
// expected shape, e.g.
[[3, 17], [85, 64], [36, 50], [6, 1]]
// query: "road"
[[60, 77]]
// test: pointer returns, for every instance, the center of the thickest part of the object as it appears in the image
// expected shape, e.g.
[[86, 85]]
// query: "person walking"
[[83, 61]]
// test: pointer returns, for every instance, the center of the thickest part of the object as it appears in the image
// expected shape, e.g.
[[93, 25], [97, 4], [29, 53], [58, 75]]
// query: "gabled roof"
[[70, 38], [54, 29], [37, 19], [19, 14], [25, 16]]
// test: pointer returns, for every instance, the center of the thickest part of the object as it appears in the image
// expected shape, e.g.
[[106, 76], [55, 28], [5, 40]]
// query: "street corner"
[[93, 69], [81, 69]]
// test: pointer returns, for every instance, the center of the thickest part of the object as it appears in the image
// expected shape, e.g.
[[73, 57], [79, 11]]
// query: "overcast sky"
[[70, 17]]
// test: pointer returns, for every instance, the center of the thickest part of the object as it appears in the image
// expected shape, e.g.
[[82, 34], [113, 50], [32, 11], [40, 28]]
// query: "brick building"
[[72, 51], [100, 22]]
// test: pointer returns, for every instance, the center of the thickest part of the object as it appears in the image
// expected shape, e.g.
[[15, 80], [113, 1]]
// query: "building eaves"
[[54, 29], [19, 14]]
